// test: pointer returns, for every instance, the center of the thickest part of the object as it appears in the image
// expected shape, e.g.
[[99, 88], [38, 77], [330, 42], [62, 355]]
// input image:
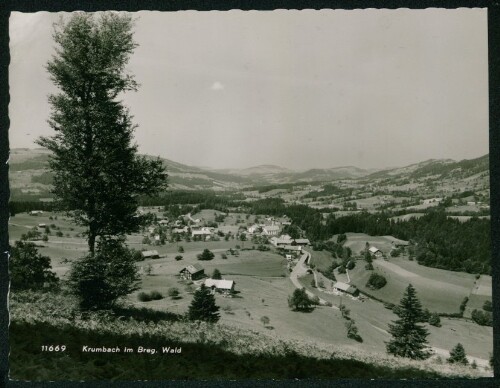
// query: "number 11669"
[[53, 348]]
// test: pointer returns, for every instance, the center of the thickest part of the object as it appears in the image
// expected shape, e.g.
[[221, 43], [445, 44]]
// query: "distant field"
[[407, 217], [357, 242], [438, 290], [463, 208], [467, 218]]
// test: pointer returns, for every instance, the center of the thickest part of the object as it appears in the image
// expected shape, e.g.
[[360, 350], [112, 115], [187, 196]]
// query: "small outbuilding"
[[192, 272], [347, 288], [375, 251], [150, 254]]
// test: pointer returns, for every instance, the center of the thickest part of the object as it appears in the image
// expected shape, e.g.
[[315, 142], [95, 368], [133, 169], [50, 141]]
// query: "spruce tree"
[[457, 355], [203, 307], [409, 338]]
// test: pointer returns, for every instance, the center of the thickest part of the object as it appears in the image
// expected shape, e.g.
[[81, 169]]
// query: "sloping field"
[[357, 242], [481, 292], [438, 290], [321, 259]]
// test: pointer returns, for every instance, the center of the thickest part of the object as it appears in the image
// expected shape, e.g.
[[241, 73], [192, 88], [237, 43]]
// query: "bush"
[[143, 297], [434, 320], [369, 267], [351, 264], [483, 318], [178, 257], [155, 295], [29, 270], [173, 293], [59, 233], [180, 249], [376, 281], [205, 255], [99, 280], [488, 306], [223, 256]]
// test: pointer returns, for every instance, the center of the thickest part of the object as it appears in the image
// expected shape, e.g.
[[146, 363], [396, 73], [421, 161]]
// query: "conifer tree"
[[409, 338], [457, 355], [203, 307]]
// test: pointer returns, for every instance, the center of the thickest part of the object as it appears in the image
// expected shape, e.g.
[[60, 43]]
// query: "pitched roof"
[[149, 253], [344, 287], [220, 283], [193, 268], [374, 250], [302, 241]]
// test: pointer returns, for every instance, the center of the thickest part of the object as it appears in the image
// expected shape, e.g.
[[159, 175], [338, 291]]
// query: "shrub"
[[342, 269], [352, 331], [180, 249], [29, 270], [265, 320], [155, 295], [434, 320], [376, 281], [173, 292], [99, 280], [206, 255], [178, 257], [223, 256], [483, 318], [369, 267], [59, 233], [143, 297], [351, 264], [488, 306]]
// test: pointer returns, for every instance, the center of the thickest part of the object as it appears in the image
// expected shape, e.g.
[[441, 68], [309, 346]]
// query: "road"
[[300, 270]]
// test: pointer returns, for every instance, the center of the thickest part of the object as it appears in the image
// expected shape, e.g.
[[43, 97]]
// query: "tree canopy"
[[203, 307], [98, 174], [409, 338], [30, 270]]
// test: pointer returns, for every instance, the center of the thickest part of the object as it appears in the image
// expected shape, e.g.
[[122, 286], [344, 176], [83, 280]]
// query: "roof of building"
[[374, 250], [193, 268], [344, 287], [220, 283], [302, 241], [149, 253], [292, 247], [271, 227], [200, 232]]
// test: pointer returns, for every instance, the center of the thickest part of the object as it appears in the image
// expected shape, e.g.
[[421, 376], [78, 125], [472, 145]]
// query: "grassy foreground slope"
[[208, 351]]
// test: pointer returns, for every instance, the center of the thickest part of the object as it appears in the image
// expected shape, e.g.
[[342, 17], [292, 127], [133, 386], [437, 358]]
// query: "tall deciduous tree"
[[409, 338], [98, 173]]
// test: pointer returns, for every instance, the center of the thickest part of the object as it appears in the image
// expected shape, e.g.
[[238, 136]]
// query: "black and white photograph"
[[231, 195]]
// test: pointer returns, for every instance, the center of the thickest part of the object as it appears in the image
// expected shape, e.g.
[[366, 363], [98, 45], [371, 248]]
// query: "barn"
[[192, 272], [375, 251], [150, 254], [347, 288], [220, 285]]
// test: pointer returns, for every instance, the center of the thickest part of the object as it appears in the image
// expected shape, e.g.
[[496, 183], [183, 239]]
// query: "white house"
[[220, 285], [253, 229], [35, 212], [375, 251], [347, 288], [280, 241]]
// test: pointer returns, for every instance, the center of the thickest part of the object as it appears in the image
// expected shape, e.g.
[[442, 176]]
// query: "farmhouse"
[[42, 225], [271, 230], [223, 286], [291, 248], [302, 241], [36, 212], [375, 251], [192, 272], [201, 233], [432, 200], [280, 241], [180, 230], [163, 222], [347, 288], [253, 229], [150, 254]]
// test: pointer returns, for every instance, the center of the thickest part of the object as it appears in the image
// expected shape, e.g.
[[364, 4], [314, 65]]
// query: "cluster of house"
[[196, 272], [288, 244]]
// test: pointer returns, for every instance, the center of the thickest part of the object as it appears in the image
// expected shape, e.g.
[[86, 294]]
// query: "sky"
[[298, 89]]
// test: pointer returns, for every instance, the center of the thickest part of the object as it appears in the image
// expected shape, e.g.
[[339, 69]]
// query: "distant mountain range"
[[34, 163]]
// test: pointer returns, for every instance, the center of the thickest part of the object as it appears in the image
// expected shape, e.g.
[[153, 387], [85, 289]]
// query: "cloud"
[[217, 86]]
